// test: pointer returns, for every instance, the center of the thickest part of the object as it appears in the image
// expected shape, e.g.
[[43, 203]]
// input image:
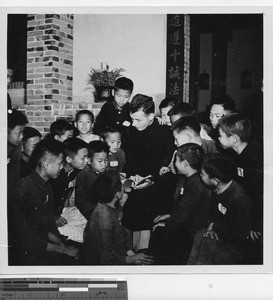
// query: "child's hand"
[[161, 218], [254, 235], [164, 170], [60, 222], [212, 234], [160, 121]]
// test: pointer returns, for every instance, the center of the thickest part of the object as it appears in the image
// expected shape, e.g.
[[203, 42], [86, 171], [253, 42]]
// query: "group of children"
[[202, 204]]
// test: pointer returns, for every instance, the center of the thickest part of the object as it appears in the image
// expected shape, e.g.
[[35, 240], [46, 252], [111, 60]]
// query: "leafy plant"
[[103, 76]]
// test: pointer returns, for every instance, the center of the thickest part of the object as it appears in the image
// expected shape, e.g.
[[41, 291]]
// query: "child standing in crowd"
[[84, 200], [84, 121], [112, 136], [226, 235], [116, 111], [235, 133], [75, 159], [61, 130], [164, 107], [183, 109], [190, 211], [30, 139], [37, 237], [187, 130], [220, 106]]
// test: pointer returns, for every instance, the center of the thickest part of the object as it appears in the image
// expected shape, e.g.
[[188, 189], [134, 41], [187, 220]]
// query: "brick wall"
[[50, 71], [186, 58]]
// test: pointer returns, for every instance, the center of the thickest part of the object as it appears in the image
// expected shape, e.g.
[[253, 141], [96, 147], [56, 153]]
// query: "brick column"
[[49, 69]]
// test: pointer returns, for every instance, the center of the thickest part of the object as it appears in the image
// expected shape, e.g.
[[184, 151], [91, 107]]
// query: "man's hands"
[[159, 220], [254, 235]]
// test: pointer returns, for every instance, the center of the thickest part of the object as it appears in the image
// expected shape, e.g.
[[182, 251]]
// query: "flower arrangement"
[[103, 76]]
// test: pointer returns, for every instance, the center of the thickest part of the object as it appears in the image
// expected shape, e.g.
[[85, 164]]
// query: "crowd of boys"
[[191, 193]]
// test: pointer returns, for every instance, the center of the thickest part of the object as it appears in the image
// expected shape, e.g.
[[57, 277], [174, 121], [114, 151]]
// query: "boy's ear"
[[45, 163], [151, 116], [56, 137], [185, 163], [68, 159], [235, 138]]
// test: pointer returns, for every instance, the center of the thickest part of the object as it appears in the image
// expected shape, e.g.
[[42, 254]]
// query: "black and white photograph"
[[136, 139]]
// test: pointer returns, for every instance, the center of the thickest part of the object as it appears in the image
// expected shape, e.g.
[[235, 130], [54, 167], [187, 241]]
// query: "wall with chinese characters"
[[136, 43]]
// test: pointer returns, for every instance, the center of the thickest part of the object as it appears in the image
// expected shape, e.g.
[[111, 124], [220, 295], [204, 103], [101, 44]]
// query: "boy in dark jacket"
[[224, 239]]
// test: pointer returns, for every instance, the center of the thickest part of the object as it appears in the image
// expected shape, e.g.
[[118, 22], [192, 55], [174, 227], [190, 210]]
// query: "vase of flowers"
[[103, 80]]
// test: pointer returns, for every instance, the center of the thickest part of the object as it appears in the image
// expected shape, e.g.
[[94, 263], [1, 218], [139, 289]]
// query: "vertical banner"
[[175, 56]]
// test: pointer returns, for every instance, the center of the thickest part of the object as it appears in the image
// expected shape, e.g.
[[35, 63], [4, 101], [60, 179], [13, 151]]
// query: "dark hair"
[[73, 145], [225, 100], [111, 128], [106, 186], [30, 132], [59, 127], [219, 166], [182, 108], [16, 118], [142, 102], [84, 112], [97, 147], [193, 153], [186, 123], [124, 83], [236, 123], [46, 147], [168, 102]]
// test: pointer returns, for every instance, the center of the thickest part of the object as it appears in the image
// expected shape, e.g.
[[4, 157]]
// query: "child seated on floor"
[[61, 130], [106, 241], [225, 237], [190, 212], [75, 159], [111, 134], [83, 122], [187, 130], [34, 228], [98, 155]]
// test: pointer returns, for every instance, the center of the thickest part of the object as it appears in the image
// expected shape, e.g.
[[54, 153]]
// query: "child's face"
[[121, 97], [216, 113], [15, 135], [181, 138], [225, 141], [30, 144], [99, 162], [84, 124], [54, 165], [205, 177], [164, 115], [113, 140], [80, 160], [68, 134]]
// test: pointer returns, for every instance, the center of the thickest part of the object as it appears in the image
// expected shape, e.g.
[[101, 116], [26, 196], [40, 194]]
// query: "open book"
[[75, 226]]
